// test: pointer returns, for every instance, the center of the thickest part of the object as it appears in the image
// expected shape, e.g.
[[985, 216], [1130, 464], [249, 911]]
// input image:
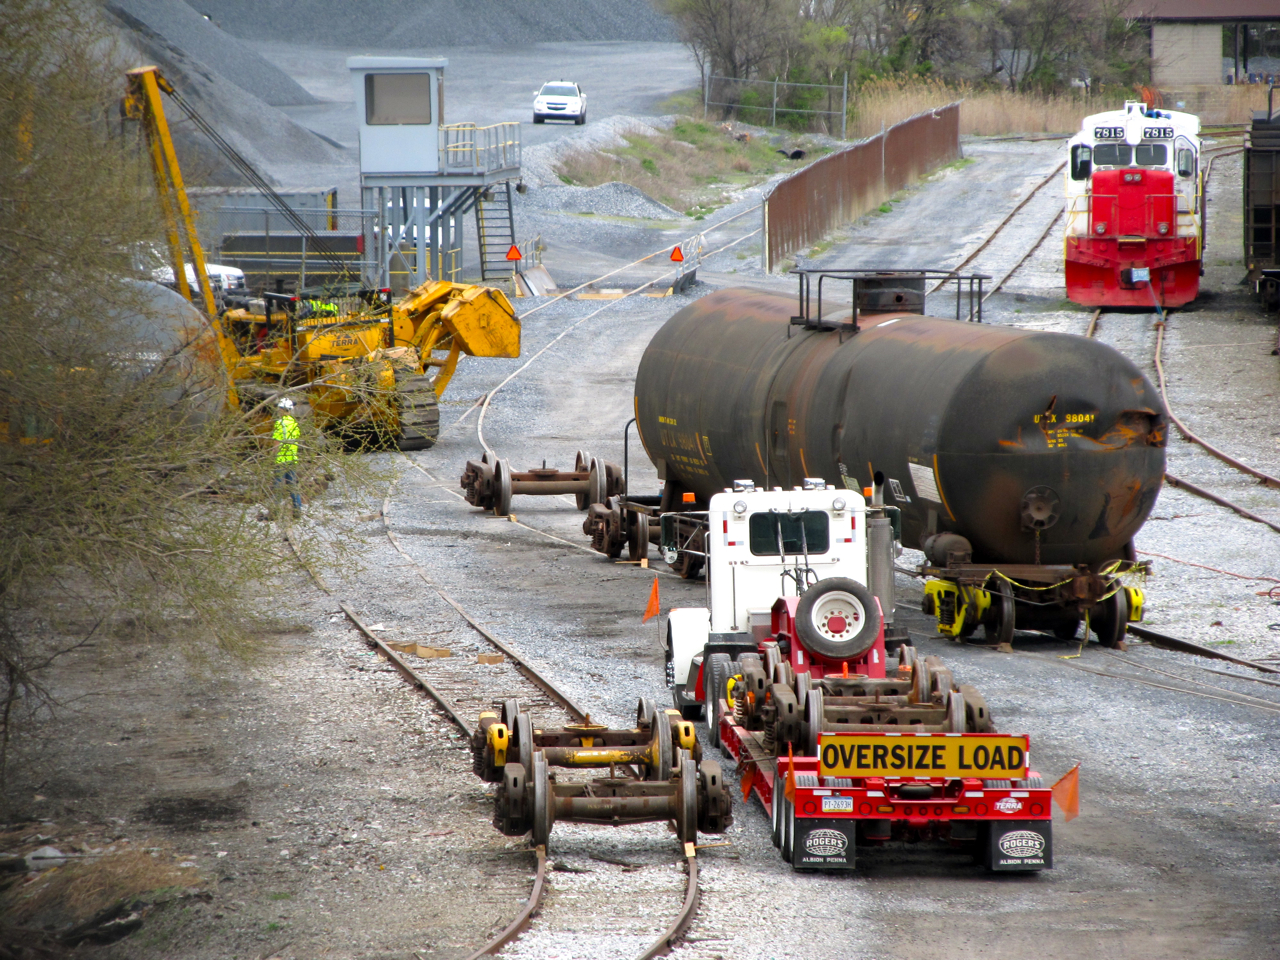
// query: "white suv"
[[560, 100]]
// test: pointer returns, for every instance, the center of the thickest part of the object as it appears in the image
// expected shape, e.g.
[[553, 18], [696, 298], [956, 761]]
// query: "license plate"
[[992, 756], [837, 804]]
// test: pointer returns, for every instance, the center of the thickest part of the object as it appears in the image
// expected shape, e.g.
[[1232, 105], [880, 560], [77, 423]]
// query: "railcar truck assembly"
[[840, 751]]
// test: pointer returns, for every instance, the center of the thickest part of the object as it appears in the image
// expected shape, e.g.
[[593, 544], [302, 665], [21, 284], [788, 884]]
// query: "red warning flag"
[[651, 610], [1066, 793], [514, 253], [677, 255], [748, 778]]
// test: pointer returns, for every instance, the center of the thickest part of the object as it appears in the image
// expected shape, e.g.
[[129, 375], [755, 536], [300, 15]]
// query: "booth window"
[[397, 98]]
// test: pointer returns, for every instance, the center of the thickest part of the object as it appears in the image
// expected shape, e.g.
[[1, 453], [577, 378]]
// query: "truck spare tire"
[[837, 619]]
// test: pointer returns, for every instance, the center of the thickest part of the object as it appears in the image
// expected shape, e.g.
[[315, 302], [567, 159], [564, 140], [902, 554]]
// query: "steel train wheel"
[[523, 736], [597, 483], [638, 537], [813, 716], [687, 819], [921, 682], [543, 801], [502, 489], [662, 762], [687, 566], [716, 815], [999, 629], [1111, 619], [957, 721]]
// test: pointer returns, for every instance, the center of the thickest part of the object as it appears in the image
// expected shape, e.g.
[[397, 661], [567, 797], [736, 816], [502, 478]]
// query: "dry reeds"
[[80, 889]]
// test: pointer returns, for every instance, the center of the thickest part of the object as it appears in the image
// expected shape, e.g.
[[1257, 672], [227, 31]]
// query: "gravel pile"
[[404, 24], [178, 27], [260, 132], [611, 199]]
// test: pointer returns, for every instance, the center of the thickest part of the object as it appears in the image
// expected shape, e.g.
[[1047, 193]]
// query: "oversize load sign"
[[990, 756]]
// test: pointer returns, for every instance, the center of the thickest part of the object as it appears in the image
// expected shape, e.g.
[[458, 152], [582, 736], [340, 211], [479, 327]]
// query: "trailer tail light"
[[884, 808], [960, 809]]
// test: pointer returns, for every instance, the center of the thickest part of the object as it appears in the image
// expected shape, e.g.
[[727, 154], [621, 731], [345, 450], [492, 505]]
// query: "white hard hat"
[[284, 403]]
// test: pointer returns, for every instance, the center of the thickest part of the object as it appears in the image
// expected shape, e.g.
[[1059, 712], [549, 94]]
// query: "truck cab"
[[763, 546]]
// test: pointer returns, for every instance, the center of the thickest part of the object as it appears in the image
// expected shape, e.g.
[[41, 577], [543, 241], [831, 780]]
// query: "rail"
[[467, 148]]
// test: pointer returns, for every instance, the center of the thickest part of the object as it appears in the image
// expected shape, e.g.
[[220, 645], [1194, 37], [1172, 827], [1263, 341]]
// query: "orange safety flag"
[[748, 778], [651, 610], [789, 791], [677, 255], [514, 253], [1066, 792]]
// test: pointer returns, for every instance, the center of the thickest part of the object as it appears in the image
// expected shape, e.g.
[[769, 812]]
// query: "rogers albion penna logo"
[[1023, 844], [1008, 805], [826, 843]]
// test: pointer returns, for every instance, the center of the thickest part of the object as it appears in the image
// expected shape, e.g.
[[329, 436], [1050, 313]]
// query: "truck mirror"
[[1081, 162]]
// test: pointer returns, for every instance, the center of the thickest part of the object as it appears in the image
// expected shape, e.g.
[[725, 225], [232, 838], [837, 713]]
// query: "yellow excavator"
[[364, 363]]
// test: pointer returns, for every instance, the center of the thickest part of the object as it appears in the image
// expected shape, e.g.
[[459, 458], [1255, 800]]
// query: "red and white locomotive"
[[1134, 209]]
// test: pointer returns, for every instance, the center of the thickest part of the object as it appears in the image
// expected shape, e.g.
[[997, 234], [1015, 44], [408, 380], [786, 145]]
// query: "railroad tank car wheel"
[[687, 812], [581, 463], [1111, 619], [502, 488], [664, 752], [921, 682], [771, 656], [597, 486], [941, 680], [419, 413], [906, 656], [522, 734], [637, 537], [716, 811], [813, 716], [646, 710], [957, 715], [999, 626], [837, 618], [543, 805], [975, 706], [714, 675]]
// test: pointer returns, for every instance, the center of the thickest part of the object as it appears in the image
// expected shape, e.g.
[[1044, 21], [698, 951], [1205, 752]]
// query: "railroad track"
[[451, 682]]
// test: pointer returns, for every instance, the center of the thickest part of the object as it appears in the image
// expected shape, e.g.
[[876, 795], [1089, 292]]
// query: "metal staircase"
[[495, 228]]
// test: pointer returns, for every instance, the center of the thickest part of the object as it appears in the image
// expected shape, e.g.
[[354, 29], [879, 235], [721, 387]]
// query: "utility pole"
[[844, 108]]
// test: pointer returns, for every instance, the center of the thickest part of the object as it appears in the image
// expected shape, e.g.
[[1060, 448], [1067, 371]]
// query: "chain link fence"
[[762, 102]]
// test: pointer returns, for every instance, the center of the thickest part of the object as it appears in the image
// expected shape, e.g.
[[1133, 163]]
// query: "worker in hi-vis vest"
[[286, 434]]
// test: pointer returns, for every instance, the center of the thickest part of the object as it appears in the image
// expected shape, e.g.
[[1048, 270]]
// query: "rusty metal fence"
[[839, 188]]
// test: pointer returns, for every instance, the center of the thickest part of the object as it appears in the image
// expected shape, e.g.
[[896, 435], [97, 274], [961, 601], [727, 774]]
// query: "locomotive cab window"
[[1151, 155], [1113, 154], [764, 529], [1081, 161]]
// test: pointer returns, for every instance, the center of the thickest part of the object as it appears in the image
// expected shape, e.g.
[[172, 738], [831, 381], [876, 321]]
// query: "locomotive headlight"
[[838, 504], [1128, 178], [1162, 229], [1100, 229], [740, 507]]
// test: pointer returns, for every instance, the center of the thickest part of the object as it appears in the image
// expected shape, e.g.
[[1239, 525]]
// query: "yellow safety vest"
[[286, 429]]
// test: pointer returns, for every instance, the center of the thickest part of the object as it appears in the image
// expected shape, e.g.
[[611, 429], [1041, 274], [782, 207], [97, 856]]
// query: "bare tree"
[[129, 494]]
